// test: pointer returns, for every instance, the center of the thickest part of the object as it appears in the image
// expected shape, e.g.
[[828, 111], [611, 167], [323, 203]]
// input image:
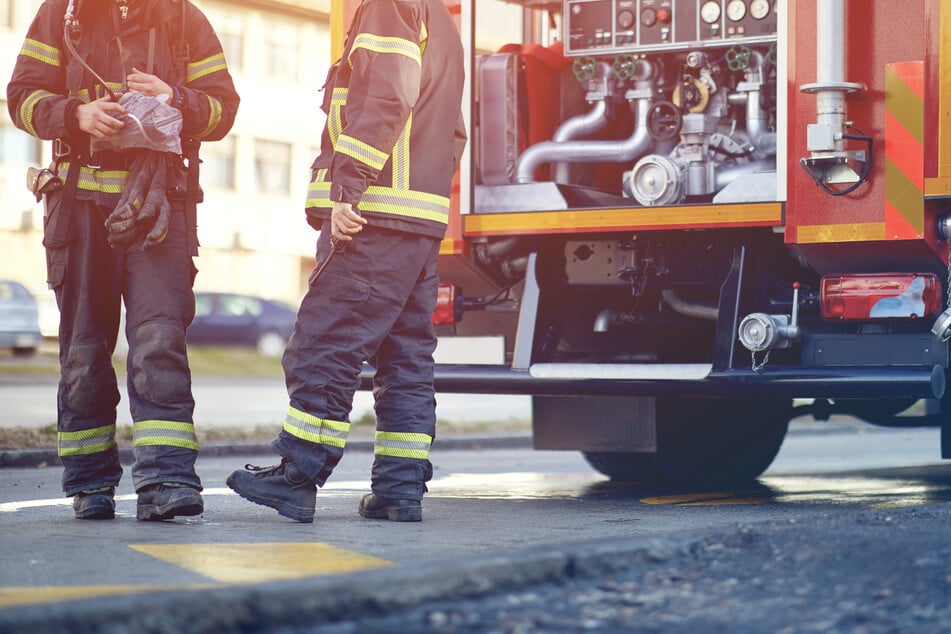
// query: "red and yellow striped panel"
[[904, 150], [625, 219]]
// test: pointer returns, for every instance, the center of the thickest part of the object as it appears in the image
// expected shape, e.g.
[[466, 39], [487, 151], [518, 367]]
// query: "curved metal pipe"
[[587, 151], [688, 309], [584, 124]]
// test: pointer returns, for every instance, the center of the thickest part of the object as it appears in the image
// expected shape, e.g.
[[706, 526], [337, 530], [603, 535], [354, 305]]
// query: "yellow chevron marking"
[[251, 563]]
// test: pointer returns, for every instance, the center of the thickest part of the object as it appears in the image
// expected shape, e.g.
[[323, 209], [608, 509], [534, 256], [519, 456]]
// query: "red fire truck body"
[[684, 217]]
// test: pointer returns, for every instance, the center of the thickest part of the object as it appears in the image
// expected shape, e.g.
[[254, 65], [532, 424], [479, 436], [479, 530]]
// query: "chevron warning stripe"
[[904, 150]]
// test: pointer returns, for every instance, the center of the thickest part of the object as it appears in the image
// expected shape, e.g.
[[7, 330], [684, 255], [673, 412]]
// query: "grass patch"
[[232, 361]]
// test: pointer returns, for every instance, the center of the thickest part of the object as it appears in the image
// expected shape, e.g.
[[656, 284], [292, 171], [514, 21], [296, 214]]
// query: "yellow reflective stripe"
[[316, 430], [26, 108], [86, 441], [164, 432], [387, 44], [402, 444], [207, 66], [41, 52], [423, 39], [361, 151], [401, 156], [214, 115], [84, 95], [387, 200], [105, 181], [335, 118]]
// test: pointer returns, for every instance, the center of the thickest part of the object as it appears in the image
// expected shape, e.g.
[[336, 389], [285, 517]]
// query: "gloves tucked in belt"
[[143, 209]]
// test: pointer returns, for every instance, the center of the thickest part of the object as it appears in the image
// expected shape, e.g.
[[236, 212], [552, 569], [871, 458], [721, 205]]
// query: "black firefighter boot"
[[377, 507], [95, 504], [282, 487], [164, 501]]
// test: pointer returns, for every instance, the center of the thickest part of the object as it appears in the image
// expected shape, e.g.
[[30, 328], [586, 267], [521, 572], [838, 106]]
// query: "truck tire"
[[719, 441], [625, 467]]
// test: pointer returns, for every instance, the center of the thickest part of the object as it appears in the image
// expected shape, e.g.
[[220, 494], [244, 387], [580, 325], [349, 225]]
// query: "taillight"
[[448, 300], [880, 296]]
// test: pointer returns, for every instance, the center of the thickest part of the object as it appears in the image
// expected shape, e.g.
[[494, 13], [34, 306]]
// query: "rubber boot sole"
[[175, 508], [300, 514]]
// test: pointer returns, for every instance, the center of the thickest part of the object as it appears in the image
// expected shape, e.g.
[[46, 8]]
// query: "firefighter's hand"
[[100, 118], [146, 84], [345, 221]]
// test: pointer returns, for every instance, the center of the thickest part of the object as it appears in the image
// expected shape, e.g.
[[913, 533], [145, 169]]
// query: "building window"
[[280, 51], [17, 147], [218, 163], [272, 167]]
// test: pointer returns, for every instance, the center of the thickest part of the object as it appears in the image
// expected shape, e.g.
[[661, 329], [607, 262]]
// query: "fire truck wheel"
[[719, 441], [625, 467]]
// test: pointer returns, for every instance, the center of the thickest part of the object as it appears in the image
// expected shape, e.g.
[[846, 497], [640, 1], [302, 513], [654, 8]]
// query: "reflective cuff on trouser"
[[401, 467], [314, 444], [165, 451], [90, 459]]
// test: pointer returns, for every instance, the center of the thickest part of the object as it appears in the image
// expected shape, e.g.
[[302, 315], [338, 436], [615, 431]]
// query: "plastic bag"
[[149, 122]]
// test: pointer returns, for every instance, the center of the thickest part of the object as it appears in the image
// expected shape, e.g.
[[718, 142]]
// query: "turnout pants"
[[373, 303], [90, 280]]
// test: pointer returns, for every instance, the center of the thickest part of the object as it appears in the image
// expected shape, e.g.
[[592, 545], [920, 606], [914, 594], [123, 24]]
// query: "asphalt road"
[[512, 541]]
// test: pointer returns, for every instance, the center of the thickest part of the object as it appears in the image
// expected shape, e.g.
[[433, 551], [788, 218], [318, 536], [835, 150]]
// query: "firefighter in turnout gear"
[[120, 227], [380, 197]]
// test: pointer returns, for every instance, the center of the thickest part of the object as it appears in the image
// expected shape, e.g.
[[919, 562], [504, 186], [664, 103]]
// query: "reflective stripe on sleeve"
[[402, 444], [204, 67], [214, 116], [361, 151], [41, 52], [164, 433], [86, 441], [316, 430], [392, 45], [26, 108]]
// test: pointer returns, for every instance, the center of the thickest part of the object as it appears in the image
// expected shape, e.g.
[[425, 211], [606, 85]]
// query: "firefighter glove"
[[143, 209]]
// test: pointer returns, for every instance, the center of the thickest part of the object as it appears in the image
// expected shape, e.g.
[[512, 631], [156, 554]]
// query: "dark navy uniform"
[[172, 40], [392, 141]]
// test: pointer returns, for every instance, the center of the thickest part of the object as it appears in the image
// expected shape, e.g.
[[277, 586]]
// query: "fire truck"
[[689, 221]]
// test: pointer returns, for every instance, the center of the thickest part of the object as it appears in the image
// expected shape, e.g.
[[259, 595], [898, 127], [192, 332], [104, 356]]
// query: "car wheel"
[[271, 344]]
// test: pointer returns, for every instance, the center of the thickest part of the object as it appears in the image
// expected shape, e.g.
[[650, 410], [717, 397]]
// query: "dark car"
[[19, 319], [232, 319]]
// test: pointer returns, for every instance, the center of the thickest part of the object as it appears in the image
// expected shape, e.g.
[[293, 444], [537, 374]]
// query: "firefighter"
[[380, 197], [120, 227]]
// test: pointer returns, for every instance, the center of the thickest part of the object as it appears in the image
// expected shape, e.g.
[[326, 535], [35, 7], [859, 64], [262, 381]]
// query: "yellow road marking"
[[250, 563], [10, 597]]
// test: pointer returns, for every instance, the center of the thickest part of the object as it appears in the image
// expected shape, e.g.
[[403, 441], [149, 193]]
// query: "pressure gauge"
[[736, 10], [710, 12], [759, 9]]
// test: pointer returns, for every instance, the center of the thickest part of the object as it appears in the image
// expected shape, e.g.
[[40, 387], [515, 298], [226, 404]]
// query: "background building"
[[251, 227]]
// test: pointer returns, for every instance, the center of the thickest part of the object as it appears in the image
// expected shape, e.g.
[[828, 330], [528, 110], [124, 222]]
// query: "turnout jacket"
[[394, 131], [48, 84]]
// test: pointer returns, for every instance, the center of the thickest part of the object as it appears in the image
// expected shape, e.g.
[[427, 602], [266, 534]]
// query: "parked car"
[[19, 319], [241, 320]]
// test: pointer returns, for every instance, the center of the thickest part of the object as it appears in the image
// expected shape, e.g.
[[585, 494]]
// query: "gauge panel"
[[625, 26]]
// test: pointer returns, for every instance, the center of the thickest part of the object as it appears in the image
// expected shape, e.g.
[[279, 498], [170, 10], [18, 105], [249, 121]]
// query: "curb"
[[315, 601], [26, 458]]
